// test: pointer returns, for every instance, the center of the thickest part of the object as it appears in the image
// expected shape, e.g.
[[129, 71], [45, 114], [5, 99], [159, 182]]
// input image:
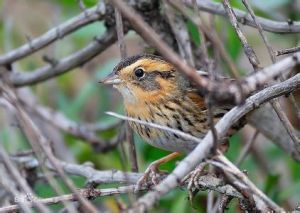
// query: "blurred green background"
[[78, 95]]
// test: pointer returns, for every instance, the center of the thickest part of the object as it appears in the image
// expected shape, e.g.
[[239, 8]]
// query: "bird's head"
[[143, 78]]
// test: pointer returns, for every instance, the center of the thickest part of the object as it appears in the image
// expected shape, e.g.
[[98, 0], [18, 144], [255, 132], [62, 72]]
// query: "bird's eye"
[[139, 73]]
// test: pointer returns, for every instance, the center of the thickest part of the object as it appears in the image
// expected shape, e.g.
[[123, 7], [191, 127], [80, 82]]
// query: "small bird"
[[153, 91]]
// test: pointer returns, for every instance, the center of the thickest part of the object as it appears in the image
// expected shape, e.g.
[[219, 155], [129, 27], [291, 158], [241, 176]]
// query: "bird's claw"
[[193, 180], [152, 175]]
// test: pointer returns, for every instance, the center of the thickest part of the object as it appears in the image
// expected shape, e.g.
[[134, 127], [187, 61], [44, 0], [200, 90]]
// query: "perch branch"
[[89, 16]]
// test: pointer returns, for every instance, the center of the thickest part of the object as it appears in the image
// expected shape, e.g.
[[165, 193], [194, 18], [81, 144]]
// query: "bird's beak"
[[112, 78]]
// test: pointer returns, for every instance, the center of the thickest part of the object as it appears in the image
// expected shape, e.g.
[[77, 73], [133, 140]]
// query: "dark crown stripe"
[[130, 60]]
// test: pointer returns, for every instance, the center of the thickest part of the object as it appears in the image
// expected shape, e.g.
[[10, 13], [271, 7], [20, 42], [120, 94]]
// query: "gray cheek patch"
[[148, 83]]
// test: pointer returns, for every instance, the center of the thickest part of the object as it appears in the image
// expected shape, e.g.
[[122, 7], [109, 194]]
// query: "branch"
[[89, 16], [245, 18], [287, 51], [247, 48], [16, 175], [38, 142], [85, 132], [86, 193], [205, 182], [62, 66]]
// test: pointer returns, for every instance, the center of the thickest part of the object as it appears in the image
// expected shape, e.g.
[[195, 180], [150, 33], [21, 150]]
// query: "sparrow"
[[154, 91]]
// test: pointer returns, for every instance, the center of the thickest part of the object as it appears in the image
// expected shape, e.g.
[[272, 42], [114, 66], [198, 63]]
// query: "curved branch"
[[245, 18], [88, 16], [62, 66]]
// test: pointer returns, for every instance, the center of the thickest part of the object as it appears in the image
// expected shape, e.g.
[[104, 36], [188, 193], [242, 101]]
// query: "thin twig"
[[260, 30], [87, 193], [180, 32], [287, 51], [275, 103], [210, 34], [244, 18], [8, 185], [273, 130], [37, 139], [247, 48], [93, 14], [86, 132], [212, 76], [286, 123], [19, 180], [246, 149], [120, 33], [123, 52], [76, 59]]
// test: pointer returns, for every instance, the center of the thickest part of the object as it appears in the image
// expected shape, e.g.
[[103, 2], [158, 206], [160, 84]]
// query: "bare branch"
[[62, 66], [246, 149], [210, 34], [89, 16], [275, 103], [205, 182], [244, 18], [287, 51], [286, 123], [247, 48], [128, 131], [87, 193], [86, 132], [181, 34], [39, 142], [18, 178], [260, 30]]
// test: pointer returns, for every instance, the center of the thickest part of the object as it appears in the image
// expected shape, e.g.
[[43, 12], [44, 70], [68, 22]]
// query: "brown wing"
[[197, 99], [197, 95]]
